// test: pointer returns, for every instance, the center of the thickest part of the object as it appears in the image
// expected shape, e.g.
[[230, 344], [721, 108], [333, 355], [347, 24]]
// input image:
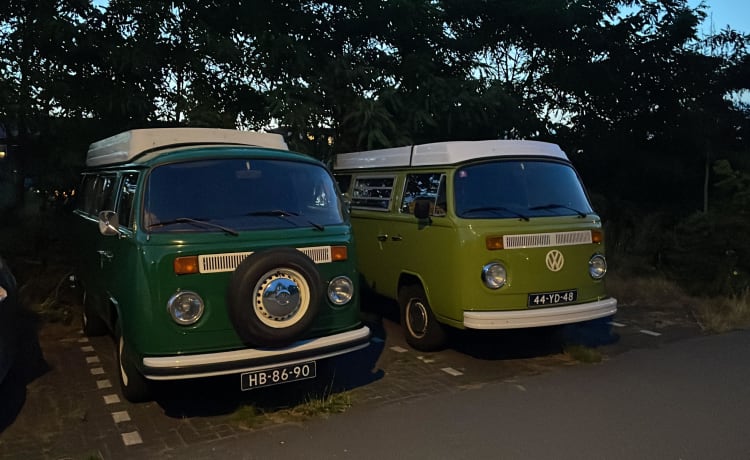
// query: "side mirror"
[[422, 208], [108, 223]]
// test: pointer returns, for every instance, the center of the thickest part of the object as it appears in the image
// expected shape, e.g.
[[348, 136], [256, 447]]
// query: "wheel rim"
[[416, 318], [282, 297]]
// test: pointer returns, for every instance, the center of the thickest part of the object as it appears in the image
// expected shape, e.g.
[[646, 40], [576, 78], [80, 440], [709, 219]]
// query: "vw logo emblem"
[[554, 260]]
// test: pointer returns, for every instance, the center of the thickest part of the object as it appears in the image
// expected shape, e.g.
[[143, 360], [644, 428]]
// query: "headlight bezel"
[[597, 266], [177, 314], [494, 275], [340, 290]]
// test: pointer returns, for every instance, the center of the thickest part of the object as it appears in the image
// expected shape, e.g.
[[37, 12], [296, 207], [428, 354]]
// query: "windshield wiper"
[[198, 222], [284, 215], [581, 214], [497, 208]]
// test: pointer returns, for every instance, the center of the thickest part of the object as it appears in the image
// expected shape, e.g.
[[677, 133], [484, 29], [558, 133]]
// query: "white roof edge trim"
[[445, 153], [129, 144]]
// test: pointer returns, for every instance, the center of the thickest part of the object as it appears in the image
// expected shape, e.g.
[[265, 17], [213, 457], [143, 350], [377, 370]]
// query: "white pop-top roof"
[[129, 144], [445, 153]]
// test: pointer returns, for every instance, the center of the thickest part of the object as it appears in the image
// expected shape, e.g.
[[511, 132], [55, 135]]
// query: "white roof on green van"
[[445, 153], [126, 146]]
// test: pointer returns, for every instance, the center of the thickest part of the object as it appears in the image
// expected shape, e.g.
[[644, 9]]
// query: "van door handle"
[[397, 238], [383, 237]]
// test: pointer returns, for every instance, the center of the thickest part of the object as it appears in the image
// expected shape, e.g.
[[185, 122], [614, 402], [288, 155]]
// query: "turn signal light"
[[339, 253], [186, 265], [494, 242], [597, 236]]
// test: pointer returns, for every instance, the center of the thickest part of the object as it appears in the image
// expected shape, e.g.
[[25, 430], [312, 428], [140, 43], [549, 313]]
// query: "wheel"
[[134, 386], [274, 296], [421, 328], [93, 324]]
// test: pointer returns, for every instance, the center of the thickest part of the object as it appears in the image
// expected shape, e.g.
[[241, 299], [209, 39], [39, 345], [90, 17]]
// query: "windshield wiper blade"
[[558, 206], [198, 222], [497, 208], [284, 214]]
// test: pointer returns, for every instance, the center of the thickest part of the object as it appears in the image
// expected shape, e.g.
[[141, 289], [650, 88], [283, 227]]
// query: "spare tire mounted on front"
[[274, 296]]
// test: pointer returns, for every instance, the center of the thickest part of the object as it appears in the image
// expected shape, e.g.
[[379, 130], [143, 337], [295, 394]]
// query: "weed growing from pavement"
[[583, 354], [249, 417]]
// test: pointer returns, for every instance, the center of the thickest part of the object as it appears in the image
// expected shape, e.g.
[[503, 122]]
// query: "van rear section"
[[479, 235]]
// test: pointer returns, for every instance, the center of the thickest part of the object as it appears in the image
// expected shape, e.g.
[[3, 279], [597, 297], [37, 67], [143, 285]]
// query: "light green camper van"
[[210, 252], [493, 234]]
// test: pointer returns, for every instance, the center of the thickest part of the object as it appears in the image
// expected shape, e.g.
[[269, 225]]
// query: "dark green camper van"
[[209, 252], [496, 234]]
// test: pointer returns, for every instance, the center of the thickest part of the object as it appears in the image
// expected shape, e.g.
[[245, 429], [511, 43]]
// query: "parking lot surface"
[[74, 410]]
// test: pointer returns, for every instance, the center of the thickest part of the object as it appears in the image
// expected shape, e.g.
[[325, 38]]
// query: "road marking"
[[399, 349], [111, 399], [92, 360], [97, 371], [451, 371], [104, 383], [425, 360], [132, 438], [121, 416], [616, 324], [83, 340], [651, 333], [87, 348]]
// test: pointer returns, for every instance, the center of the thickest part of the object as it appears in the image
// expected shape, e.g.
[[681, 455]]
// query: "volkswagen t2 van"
[[208, 252], [493, 234]]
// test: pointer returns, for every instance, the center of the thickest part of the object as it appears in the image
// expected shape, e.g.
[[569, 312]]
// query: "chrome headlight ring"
[[494, 275], [597, 266], [185, 308]]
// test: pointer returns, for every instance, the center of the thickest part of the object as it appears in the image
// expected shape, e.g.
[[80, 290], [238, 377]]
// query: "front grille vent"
[[545, 240], [227, 262]]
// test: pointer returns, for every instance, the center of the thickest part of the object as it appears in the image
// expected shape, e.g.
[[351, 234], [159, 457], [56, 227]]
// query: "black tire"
[[134, 386], [92, 324], [293, 291], [421, 329]]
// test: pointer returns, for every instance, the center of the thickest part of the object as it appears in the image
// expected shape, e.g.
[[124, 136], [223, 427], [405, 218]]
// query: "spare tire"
[[274, 296]]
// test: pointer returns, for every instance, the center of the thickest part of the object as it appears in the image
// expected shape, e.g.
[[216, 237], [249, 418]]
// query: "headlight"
[[494, 275], [340, 290], [597, 266], [185, 307]]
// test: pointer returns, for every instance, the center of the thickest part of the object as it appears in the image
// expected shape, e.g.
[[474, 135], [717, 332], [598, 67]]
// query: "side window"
[[372, 193], [104, 193], [343, 181], [127, 195], [429, 186], [87, 194]]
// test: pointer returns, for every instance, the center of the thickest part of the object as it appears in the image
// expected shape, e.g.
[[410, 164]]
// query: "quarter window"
[[372, 193], [127, 194], [429, 186]]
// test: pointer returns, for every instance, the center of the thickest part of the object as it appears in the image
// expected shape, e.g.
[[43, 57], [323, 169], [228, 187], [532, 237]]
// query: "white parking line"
[[121, 416], [97, 371], [451, 371], [399, 349], [132, 438], [616, 324], [104, 383], [111, 399], [651, 333], [92, 360]]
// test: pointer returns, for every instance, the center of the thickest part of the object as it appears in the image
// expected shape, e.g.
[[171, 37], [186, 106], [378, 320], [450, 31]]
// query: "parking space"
[[75, 409]]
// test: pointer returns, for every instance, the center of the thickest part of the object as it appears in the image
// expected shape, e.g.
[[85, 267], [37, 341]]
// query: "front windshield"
[[239, 194], [519, 189]]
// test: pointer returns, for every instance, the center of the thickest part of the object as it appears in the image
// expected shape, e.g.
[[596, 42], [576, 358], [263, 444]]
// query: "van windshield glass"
[[519, 189], [239, 194]]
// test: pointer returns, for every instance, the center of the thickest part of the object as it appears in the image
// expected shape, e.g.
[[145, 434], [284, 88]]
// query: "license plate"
[[277, 375], [545, 299]]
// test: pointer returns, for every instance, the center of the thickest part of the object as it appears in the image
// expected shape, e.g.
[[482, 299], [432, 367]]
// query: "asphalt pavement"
[[686, 400]]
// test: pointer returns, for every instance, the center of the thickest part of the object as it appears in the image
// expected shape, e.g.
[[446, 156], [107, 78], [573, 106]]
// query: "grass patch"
[[583, 354], [249, 417], [724, 314]]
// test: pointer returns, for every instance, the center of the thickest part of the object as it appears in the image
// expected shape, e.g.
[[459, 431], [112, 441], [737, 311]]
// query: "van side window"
[[97, 193], [425, 186], [372, 193], [343, 181], [127, 195]]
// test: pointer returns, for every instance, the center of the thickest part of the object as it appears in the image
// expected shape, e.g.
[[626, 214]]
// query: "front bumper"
[[252, 359], [516, 319]]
